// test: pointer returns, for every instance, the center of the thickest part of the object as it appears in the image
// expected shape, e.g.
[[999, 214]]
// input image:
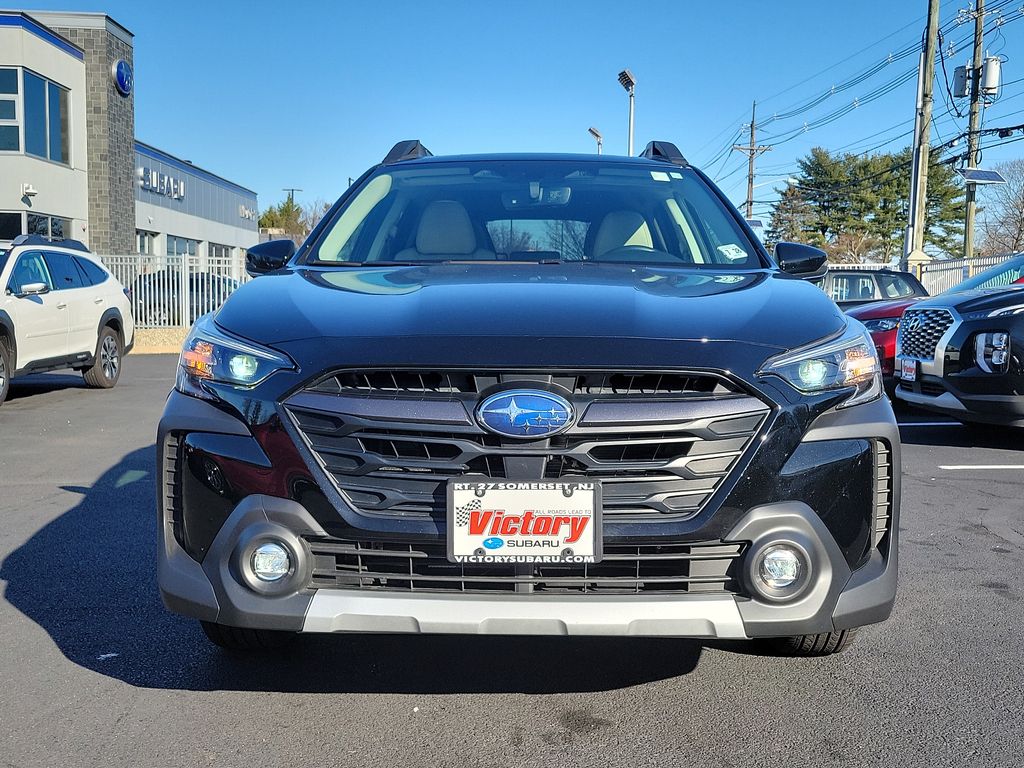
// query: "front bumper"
[[213, 591], [952, 382], [839, 597]]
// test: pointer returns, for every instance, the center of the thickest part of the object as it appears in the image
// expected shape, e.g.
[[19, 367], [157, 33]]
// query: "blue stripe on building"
[[20, 20]]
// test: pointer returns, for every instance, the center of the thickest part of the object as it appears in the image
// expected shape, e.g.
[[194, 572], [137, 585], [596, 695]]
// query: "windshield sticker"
[[732, 252], [676, 175], [659, 175]]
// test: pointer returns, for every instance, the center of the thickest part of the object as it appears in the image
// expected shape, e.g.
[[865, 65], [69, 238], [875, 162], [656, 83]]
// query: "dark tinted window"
[[8, 81], [94, 274], [29, 269], [35, 115], [9, 141], [10, 225], [64, 272]]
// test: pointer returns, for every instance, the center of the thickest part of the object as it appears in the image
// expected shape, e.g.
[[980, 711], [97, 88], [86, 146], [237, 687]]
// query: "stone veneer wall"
[[110, 125]]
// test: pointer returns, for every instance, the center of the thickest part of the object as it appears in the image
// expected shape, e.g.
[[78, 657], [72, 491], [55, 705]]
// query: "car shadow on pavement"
[[88, 578], [44, 382], [963, 436]]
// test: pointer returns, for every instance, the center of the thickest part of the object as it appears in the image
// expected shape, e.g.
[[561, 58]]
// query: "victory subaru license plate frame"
[[508, 521]]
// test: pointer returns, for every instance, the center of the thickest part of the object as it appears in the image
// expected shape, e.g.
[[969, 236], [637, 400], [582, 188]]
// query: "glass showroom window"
[[145, 241], [10, 132], [181, 246], [46, 119], [10, 225], [53, 227], [215, 251]]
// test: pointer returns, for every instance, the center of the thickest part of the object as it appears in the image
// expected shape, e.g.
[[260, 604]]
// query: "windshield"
[[1010, 272], [533, 210]]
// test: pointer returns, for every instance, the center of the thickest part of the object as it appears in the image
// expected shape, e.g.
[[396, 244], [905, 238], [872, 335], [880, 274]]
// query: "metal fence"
[[172, 291], [939, 276]]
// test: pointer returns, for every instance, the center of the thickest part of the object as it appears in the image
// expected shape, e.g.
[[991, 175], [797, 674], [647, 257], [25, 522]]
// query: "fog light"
[[271, 562], [781, 567]]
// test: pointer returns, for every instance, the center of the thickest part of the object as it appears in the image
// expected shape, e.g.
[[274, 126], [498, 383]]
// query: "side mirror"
[[33, 289], [268, 256], [801, 260]]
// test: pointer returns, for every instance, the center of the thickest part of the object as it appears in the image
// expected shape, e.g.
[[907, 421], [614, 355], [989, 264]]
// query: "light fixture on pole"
[[597, 135], [628, 82]]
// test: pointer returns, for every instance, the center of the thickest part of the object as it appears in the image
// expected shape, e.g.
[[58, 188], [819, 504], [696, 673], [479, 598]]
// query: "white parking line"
[[981, 466], [930, 424]]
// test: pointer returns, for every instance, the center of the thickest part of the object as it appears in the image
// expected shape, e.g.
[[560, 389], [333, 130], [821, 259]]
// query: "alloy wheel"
[[109, 358]]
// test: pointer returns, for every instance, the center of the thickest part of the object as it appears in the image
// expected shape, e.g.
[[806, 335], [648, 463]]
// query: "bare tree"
[[313, 212], [566, 237], [1002, 230], [509, 239]]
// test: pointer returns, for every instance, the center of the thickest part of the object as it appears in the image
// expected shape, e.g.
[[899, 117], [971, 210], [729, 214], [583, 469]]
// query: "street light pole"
[[597, 135], [628, 82]]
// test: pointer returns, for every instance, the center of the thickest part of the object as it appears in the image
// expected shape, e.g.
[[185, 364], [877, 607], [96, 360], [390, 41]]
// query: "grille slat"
[[920, 331], [883, 493], [375, 383], [667, 463], [702, 567]]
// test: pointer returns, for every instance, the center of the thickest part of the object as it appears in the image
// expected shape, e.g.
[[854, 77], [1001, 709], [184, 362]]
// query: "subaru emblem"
[[527, 413]]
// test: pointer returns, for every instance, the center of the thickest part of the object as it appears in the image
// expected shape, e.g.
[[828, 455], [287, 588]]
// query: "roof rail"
[[665, 151], [73, 245], [410, 149]]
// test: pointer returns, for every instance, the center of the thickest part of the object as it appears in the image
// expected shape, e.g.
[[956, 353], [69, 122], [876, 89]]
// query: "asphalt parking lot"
[[95, 672]]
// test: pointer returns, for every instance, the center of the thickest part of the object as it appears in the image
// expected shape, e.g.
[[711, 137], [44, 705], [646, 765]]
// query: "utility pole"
[[977, 63], [752, 150], [291, 194], [922, 139]]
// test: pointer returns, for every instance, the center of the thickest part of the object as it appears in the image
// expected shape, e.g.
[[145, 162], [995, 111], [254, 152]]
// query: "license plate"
[[908, 369], [505, 521]]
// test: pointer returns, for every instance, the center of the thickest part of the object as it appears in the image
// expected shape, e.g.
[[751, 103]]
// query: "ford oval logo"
[[525, 413]]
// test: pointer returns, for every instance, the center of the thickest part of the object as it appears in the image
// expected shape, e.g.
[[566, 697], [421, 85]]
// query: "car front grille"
[[392, 452], [625, 569], [405, 383], [920, 331]]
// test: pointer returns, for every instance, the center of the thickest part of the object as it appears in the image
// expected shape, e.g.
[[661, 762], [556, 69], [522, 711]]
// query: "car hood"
[[878, 309], [978, 300], [535, 301]]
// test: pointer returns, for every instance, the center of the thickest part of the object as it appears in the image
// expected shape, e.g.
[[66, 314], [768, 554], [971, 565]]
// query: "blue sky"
[[308, 94]]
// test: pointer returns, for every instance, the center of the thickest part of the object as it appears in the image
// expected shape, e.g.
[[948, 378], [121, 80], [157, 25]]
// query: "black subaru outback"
[[530, 394]]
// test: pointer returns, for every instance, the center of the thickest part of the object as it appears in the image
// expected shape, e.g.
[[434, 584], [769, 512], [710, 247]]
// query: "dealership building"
[[70, 165]]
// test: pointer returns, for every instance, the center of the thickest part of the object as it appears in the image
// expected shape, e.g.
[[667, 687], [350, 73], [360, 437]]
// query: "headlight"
[[846, 362], [881, 324], [209, 354], [1014, 310]]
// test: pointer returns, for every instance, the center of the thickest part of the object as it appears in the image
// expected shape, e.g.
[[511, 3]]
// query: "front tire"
[[244, 639], [106, 368], [5, 371], [824, 644]]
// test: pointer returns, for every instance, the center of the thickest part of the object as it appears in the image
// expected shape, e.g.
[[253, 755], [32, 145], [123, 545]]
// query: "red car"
[[882, 318]]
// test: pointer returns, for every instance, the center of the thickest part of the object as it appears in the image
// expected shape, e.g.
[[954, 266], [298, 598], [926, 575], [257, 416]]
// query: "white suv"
[[60, 309]]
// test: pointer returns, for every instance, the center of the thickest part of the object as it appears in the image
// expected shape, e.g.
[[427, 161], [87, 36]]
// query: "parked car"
[[61, 309], [157, 296], [854, 287], [530, 394], [882, 319], [960, 353]]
